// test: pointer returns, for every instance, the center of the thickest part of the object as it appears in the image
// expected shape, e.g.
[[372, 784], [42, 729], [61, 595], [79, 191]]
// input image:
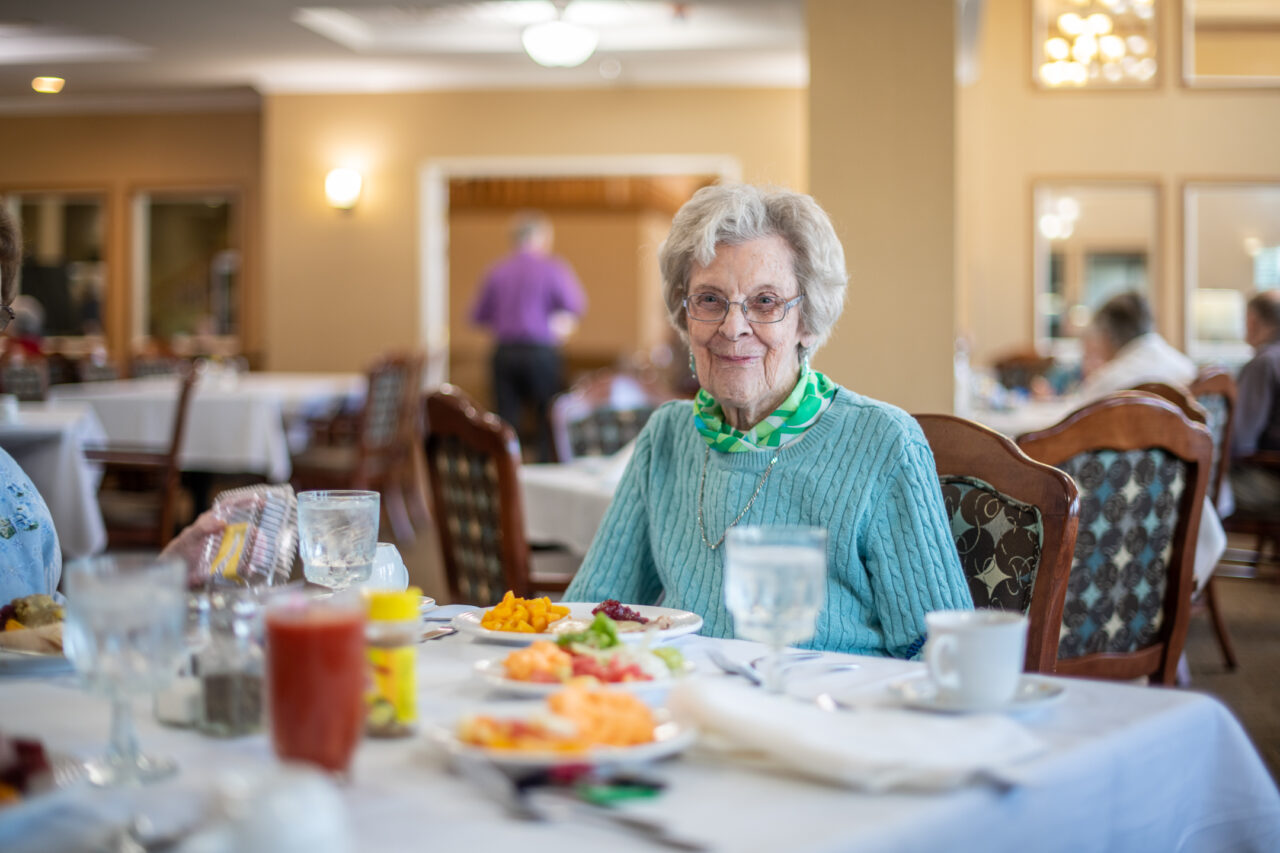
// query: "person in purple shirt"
[[530, 300], [1257, 417]]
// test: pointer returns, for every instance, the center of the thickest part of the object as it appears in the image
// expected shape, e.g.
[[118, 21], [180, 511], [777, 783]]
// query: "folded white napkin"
[[873, 749]]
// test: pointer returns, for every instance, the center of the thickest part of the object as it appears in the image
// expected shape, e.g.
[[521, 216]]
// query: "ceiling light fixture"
[[558, 43], [48, 85]]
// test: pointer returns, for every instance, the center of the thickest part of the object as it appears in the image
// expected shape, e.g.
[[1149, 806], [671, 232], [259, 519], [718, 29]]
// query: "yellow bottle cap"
[[387, 606]]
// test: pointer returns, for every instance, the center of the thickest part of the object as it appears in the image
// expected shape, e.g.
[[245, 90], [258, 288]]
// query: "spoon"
[[732, 667]]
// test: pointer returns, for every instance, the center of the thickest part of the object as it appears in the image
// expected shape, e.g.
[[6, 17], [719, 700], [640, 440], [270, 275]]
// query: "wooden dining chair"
[[1210, 400], [372, 448], [1014, 523], [141, 486], [473, 464], [1142, 468], [601, 413]]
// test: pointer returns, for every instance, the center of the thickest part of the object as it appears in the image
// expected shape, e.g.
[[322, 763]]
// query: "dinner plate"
[[921, 693], [682, 622], [492, 673], [669, 738], [426, 605], [16, 661]]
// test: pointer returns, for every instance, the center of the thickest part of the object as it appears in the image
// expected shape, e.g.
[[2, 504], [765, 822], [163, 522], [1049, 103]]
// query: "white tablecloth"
[[236, 424], [1211, 542], [1128, 768], [48, 444], [564, 504]]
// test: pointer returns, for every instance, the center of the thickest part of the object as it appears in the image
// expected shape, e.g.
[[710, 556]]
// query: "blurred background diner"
[[256, 238]]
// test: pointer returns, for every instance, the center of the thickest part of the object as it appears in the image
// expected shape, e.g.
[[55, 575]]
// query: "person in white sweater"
[[1121, 351]]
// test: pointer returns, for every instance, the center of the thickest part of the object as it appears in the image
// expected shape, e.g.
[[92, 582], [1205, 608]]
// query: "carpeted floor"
[[1252, 692]]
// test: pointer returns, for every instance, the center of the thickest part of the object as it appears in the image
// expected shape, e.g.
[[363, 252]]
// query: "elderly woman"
[[754, 281]]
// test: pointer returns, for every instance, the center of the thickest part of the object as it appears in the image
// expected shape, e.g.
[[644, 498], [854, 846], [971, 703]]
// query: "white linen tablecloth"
[[48, 444], [564, 504], [236, 424], [1126, 768]]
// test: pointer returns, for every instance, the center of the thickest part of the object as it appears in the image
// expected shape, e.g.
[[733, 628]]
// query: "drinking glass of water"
[[338, 536], [774, 584], [125, 634]]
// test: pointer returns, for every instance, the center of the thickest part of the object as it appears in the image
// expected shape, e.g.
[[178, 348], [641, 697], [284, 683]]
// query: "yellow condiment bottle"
[[393, 631]]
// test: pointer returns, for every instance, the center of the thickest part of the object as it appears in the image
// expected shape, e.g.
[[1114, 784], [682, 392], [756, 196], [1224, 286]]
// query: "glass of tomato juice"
[[316, 674]]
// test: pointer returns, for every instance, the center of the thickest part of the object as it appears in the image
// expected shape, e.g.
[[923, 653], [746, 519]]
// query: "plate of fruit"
[[31, 633], [521, 621]]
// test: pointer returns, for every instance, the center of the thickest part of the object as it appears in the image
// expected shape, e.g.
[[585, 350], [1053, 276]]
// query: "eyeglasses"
[[710, 308], [6, 317]]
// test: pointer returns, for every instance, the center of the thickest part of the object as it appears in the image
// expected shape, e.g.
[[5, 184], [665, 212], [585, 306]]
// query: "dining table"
[[564, 503], [1121, 767], [48, 444], [237, 422]]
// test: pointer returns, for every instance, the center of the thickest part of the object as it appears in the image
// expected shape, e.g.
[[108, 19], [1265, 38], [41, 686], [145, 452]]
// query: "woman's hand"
[[189, 544]]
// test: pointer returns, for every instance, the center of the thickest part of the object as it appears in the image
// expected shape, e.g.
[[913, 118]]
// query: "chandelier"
[[1095, 43]]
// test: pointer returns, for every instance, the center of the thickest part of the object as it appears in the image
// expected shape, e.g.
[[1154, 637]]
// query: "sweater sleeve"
[[620, 564], [911, 558]]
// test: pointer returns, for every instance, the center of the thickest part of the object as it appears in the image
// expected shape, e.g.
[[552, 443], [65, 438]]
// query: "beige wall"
[[1011, 134], [118, 155], [344, 286], [882, 163]]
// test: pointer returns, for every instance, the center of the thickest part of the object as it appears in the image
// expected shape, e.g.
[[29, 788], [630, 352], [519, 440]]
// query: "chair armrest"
[[127, 457]]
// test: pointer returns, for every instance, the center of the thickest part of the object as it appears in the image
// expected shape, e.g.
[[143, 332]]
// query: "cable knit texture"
[[863, 471]]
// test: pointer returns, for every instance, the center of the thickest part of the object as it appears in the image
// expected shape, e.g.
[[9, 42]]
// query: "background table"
[[1128, 768], [236, 424], [48, 444], [564, 504]]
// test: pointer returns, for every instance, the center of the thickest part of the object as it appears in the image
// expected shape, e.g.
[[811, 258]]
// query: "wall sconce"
[[48, 85], [342, 188]]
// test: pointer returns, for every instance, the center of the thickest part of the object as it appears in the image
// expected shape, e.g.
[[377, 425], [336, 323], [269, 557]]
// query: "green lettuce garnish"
[[602, 633]]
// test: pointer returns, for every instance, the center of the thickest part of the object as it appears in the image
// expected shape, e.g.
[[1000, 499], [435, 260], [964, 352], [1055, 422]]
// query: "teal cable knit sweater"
[[863, 471]]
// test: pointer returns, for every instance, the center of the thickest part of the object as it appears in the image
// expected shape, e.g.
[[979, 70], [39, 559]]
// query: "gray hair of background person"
[[730, 214], [1123, 318], [1266, 307], [10, 255], [527, 224]]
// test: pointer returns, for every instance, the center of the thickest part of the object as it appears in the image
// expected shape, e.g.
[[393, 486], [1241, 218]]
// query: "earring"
[[693, 365], [804, 362]]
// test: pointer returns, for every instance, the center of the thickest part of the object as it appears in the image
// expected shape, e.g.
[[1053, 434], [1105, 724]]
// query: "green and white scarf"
[[802, 408]]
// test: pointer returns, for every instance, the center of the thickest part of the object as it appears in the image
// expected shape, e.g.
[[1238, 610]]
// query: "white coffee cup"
[[8, 409], [975, 657]]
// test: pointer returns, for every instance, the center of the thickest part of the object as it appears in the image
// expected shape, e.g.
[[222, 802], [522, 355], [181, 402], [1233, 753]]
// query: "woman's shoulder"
[[868, 416]]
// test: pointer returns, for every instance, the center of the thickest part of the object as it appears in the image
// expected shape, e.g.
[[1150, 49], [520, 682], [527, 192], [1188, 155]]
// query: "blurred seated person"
[[1257, 416], [26, 332], [1121, 350], [754, 281]]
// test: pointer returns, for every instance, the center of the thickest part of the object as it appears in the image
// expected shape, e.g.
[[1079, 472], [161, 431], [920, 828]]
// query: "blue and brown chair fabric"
[[601, 413], [1210, 400], [1142, 468], [1014, 523], [473, 463], [369, 449]]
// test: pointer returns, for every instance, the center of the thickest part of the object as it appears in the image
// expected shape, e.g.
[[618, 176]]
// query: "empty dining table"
[[237, 423], [564, 503], [48, 444]]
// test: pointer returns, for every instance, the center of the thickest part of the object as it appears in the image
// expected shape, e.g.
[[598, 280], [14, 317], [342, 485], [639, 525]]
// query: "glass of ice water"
[[125, 633], [774, 585], [338, 536]]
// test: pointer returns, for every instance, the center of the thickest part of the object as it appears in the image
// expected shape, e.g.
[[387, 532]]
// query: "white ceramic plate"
[[682, 622], [33, 663], [670, 738], [921, 693], [426, 605], [492, 673]]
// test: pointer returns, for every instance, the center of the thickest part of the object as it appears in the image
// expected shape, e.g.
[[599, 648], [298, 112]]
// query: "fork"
[[732, 667]]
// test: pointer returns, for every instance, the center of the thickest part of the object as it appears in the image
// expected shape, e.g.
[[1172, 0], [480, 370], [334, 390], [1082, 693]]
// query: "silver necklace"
[[702, 481]]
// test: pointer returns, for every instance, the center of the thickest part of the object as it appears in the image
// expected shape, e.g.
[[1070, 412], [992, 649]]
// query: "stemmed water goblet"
[[774, 585], [338, 536], [125, 634]]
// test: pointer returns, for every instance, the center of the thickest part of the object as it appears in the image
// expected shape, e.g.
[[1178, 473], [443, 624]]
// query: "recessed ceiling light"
[[48, 85]]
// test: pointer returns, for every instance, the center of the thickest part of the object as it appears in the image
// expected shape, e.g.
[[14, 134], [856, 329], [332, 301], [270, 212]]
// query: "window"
[[1095, 44], [1231, 43]]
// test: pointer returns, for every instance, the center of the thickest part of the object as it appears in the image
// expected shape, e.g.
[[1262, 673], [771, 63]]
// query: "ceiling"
[[210, 54]]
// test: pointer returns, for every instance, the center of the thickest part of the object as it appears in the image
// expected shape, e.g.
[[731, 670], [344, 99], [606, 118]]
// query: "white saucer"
[[922, 694]]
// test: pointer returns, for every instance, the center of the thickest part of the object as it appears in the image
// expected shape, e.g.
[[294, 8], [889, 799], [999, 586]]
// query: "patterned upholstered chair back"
[[389, 399], [602, 413], [1142, 468], [473, 460], [1215, 390], [26, 379], [144, 366], [98, 371], [1014, 524]]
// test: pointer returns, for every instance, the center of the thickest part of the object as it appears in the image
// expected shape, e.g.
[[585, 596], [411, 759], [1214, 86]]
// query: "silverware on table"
[[436, 633], [553, 804], [732, 667]]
